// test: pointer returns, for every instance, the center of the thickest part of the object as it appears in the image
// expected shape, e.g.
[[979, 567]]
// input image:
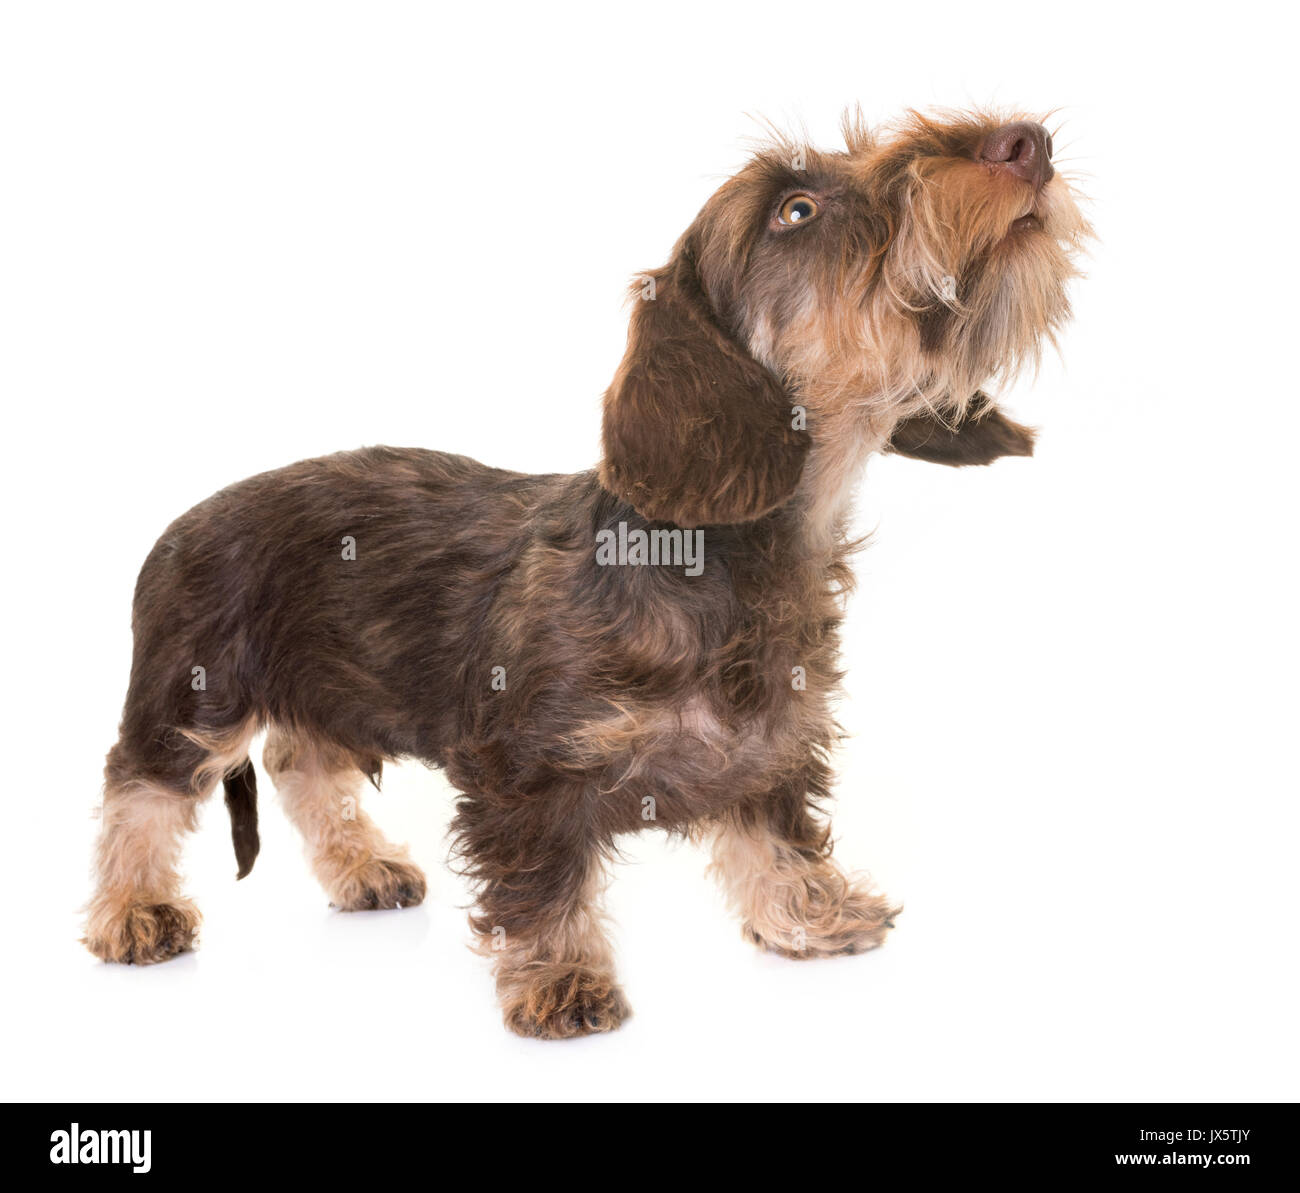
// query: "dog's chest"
[[689, 757]]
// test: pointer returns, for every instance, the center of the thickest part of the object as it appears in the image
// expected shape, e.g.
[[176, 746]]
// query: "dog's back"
[[271, 599]]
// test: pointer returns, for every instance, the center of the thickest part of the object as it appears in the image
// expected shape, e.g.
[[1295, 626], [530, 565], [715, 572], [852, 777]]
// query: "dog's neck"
[[841, 445], [845, 433]]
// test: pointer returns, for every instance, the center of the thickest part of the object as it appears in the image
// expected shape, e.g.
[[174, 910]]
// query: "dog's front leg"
[[540, 877], [773, 858], [979, 436]]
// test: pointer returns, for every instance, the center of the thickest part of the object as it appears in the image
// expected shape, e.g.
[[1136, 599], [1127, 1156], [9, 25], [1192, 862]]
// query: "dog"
[[542, 637]]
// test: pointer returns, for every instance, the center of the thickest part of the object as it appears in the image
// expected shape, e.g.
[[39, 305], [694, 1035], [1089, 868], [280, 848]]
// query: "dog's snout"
[[1023, 148]]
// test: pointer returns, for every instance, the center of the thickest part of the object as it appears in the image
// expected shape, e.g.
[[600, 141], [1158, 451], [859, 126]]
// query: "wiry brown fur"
[[769, 362]]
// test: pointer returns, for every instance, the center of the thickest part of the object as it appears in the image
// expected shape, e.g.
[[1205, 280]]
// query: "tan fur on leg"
[[559, 982], [320, 787], [794, 904], [137, 914]]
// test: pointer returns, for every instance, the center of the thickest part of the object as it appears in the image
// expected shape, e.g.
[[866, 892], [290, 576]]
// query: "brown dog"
[[649, 644]]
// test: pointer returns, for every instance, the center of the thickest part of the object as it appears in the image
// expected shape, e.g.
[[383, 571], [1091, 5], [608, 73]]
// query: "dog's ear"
[[980, 436], [695, 431]]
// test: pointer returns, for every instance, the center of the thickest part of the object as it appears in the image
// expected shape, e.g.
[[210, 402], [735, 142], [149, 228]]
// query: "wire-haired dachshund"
[[651, 644]]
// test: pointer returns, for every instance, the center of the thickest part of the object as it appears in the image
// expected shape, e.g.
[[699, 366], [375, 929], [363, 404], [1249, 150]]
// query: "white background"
[[237, 235]]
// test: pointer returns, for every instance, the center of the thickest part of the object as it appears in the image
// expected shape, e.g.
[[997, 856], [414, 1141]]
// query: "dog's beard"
[[982, 272], [1013, 302]]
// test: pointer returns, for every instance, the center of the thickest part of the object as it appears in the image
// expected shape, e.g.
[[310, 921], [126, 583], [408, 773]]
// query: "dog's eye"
[[797, 209]]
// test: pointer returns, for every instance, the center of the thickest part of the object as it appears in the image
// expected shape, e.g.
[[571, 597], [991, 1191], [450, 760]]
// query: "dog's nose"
[[1024, 148]]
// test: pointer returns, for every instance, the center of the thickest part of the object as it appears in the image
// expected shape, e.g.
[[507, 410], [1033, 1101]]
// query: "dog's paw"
[[379, 884], [142, 933], [857, 923], [562, 1004]]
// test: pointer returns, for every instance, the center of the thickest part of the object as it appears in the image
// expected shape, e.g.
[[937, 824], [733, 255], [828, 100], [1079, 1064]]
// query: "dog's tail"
[[241, 802]]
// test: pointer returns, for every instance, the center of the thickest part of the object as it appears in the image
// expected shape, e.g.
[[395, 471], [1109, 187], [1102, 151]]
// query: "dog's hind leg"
[[154, 785], [320, 787]]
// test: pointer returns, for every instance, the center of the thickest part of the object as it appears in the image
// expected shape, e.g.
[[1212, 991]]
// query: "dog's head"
[[823, 294]]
